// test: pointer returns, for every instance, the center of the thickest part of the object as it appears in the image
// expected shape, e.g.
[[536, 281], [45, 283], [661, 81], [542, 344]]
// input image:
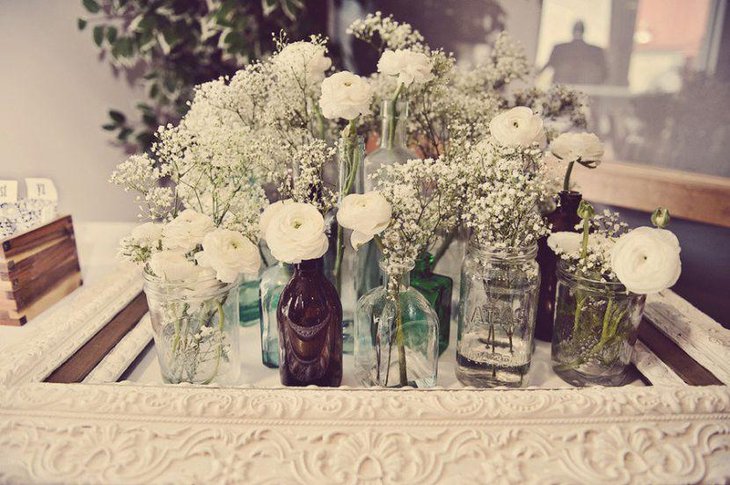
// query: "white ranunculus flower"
[[646, 260], [567, 243], [303, 57], [186, 231], [572, 147], [269, 214], [229, 254], [148, 234], [410, 67], [174, 266], [345, 95], [518, 126], [366, 214], [296, 233]]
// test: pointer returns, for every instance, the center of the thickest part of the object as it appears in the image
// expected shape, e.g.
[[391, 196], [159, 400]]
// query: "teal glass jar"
[[273, 281], [438, 290], [248, 302]]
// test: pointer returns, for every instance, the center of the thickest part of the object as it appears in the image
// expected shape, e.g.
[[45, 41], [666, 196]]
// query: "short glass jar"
[[396, 336], [497, 307], [195, 328], [596, 325]]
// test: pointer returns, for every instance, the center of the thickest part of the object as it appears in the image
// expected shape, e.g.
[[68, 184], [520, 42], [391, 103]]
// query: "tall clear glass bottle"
[[248, 301], [497, 307], [392, 150], [273, 281], [396, 336], [341, 259]]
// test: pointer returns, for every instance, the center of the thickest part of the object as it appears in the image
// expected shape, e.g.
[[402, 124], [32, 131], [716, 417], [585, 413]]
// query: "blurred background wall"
[[54, 97]]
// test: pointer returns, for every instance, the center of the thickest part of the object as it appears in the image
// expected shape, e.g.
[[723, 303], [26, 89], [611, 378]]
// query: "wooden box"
[[37, 269]]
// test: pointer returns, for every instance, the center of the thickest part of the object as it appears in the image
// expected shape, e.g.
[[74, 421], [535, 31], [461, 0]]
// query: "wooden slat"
[[703, 198], [696, 333], [27, 294], [81, 363], [652, 368], [26, 241], [62, 288], [24, 270], [674, 357]]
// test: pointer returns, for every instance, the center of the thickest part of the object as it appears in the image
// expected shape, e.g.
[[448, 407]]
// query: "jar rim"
[[529, 251], [615, 286], [206, 286]]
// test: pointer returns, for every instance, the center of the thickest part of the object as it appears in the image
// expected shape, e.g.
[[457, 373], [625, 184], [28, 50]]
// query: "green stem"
[[351, 165], [566, 181], [219, 353], [400, 339]]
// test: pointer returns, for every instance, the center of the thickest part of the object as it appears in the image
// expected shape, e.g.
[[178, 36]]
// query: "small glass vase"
[[195, 328], [396, 336], [595, 329], [273, 281], [563, 218], [248, 302], [437, 289], [309, 317], [496, 316]]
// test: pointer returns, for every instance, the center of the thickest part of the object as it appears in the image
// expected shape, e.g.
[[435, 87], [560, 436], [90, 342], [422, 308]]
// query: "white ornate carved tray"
[[102, 431]]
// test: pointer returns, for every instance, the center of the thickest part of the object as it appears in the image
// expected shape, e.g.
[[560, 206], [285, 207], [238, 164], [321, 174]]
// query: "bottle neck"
[[310, 266], [506, 255], [403, 280], [393, 129], [424, 263]]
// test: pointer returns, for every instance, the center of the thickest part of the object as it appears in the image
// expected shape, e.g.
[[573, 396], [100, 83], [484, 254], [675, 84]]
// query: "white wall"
[[54, 97]]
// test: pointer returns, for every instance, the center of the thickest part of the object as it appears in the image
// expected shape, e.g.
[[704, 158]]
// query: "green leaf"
[[81, 23], [124, 134], [98, 35], [117, 116], [91, 6], [111, 34], [110, 126]]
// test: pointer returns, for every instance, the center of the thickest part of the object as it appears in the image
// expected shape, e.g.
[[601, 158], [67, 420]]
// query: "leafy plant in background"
[[172, 45]]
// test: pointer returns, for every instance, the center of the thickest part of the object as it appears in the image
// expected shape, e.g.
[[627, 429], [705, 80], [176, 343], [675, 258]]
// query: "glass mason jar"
[[248, 301], [496, 316], [437, 289], [309, 316], [273, 281], [563, 218], [596, 326], [341, 259], [195, 327], [396, 336]]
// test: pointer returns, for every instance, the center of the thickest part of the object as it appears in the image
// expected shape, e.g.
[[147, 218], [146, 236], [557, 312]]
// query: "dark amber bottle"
[[309, 316], [564, 218]]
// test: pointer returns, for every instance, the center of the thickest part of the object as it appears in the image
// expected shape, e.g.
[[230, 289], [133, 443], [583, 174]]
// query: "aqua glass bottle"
[[248, 302], [437, 289], [273, 281]]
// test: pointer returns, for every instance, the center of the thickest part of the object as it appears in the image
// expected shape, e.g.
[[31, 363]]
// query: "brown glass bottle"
[[564, 218], [309, 316]]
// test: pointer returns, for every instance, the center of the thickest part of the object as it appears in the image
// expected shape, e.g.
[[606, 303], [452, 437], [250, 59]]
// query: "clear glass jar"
[[273, 281], [595, 328], [396, 336], [195, 327], [497, 307], [392, 147]]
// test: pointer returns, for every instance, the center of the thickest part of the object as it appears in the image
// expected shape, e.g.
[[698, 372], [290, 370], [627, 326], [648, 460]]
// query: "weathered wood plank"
[[697, 334], [652, 367]]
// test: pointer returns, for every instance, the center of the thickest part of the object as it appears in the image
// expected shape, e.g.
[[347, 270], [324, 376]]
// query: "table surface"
[[97, 246]]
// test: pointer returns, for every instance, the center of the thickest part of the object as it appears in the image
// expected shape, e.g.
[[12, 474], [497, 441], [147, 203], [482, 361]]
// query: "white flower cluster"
[[504, 185], [645, 260], [424, 196], [386, 33]]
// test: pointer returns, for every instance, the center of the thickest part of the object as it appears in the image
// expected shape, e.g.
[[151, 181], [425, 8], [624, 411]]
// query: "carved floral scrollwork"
[[141, 434]]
